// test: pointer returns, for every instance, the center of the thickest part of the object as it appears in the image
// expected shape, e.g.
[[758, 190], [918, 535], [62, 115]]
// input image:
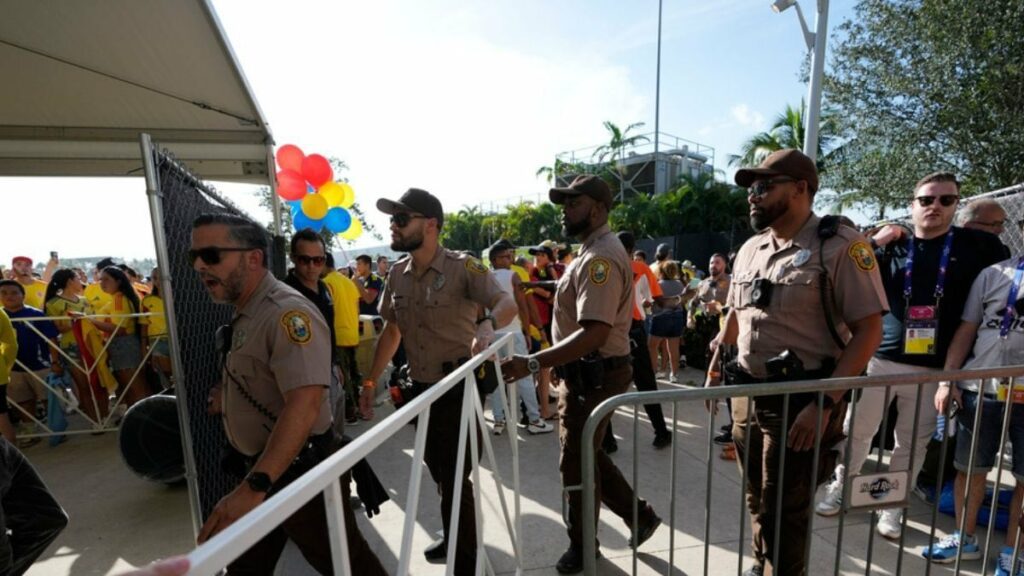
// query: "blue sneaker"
[[944, 551], [1005, 563]]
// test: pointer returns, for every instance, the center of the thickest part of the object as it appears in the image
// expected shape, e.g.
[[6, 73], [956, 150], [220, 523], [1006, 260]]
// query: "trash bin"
[[150, 440]]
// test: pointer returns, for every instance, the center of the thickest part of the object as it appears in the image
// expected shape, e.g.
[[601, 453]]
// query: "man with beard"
[[782, 331], [593, 315], [273, 401], [433, 302]]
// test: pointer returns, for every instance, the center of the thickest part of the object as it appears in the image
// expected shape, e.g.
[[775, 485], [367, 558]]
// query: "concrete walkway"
[[119, 520]]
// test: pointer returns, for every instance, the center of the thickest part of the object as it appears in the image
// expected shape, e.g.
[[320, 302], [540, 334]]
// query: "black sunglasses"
[[946, 200], [402, 219], [212, 254], [307, 260], [762, 187]]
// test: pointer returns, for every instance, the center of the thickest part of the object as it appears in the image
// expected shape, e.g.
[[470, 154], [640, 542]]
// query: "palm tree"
[[619, 141], [787, 131]]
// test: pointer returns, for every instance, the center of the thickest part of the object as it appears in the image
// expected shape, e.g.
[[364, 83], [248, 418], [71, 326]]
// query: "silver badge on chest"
[[237, 339]]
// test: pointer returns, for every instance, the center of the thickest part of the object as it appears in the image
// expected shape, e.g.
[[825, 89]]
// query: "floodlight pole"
[[657, 92], [817, 75]]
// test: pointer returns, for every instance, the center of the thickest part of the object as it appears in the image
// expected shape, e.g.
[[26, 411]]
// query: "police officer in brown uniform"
[[273, 400], [433, 302], [592, 317], [779, 322]]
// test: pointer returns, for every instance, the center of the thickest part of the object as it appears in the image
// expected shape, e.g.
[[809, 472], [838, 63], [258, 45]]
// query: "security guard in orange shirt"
[[806, 302], [273, 401]]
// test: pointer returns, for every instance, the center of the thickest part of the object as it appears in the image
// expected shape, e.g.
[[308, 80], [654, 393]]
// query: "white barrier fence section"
[[1012, 376], [72, 403], [215, 554]]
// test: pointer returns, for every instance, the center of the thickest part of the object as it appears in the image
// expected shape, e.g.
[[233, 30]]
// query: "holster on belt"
[[588, 373]]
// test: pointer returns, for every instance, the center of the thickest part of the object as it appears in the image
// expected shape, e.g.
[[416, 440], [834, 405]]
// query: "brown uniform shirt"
[[709, 290], [794, 318], [597, 285], [436, 309], [280, 342]]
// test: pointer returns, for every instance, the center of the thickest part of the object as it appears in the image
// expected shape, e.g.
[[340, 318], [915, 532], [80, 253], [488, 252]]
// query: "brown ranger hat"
[[587, 184], [416, 201], [787, 162]]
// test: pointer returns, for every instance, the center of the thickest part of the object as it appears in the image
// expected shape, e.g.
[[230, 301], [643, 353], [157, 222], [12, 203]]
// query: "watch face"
[[259, 481], [533, 365]]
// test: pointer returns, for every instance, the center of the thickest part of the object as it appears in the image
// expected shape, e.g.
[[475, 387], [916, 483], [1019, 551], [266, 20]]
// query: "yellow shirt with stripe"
[[96, 296], [60, 307], [115, 311], [157, 323]]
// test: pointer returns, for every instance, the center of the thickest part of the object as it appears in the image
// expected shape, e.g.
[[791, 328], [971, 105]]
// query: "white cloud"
[[745, 117]]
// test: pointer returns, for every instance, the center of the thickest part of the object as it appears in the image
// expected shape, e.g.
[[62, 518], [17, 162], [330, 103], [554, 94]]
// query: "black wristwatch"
[[533, 365], [259, 482]]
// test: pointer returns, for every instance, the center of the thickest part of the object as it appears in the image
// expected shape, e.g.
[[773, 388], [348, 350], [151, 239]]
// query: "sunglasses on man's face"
[[402, 219], [307, 260], [212, 254], [762, 187], [946, 200]]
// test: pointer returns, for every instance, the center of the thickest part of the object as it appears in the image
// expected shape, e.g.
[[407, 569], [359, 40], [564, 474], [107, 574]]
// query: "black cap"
[[543, 250], [501, 245], [587, 184], [417, 201], [104, 263], [786, 162]]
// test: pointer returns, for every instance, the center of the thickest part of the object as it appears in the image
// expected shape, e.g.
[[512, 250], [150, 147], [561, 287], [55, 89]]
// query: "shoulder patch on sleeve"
[[862, 255], [598, 270], [297, 326], [475, 266]]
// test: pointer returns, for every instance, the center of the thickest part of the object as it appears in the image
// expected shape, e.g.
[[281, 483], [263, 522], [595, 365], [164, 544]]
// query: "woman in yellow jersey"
[[153, 329], [64, 299], [124, 349]]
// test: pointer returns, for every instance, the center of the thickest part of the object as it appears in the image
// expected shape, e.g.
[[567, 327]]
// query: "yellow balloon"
[[354, 231], [314, 206], [333, 193], [350, 195]]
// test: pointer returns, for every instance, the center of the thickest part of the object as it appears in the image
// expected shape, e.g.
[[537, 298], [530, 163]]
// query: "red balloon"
[[317, 170], [290, 185], [289, 157]]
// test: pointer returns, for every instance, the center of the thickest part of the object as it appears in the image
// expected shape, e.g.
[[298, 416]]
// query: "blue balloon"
[[337, 220], [309, 188], [294, 204], [300, 222]]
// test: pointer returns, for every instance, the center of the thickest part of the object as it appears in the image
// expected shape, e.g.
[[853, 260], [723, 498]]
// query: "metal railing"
[[1013, 375], [222, 549], [97, 423]]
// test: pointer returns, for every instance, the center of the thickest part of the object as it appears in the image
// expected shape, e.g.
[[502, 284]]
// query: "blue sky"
[[468, 99]]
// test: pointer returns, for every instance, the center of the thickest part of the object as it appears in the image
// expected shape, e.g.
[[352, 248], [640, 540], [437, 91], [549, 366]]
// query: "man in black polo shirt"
[[927, 275]]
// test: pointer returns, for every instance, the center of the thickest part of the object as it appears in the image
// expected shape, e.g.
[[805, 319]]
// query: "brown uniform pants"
[[308, 529], [766, 431], [442, 452], [610, 487]]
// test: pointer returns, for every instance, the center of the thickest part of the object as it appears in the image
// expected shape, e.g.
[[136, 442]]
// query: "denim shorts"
[[124, 352], [668, 324], [162, 347], [989, 432]]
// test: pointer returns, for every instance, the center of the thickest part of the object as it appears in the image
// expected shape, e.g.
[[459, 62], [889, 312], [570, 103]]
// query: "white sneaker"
[[539, 427], [832, 503], [674, 378], [499, 427], [890, 523]]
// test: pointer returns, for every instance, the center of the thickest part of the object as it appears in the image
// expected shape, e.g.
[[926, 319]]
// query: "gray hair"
[[971, 210]]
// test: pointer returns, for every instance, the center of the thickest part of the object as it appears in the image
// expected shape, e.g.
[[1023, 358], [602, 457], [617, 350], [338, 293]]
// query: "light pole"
[[657, 109], [816, 45]]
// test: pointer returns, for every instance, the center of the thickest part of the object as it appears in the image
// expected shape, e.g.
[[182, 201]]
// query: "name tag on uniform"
[[921, 327]]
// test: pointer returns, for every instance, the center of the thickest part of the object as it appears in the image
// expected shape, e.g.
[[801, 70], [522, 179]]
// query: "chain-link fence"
[[1012, 201], [195, 318]]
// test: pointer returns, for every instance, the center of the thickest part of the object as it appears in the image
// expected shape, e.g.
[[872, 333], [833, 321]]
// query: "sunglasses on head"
[[307, 260], [212, 254], [762, 187], [402, 219], [946, 200]]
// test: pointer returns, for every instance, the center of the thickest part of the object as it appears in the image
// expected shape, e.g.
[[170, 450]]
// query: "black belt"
[[612, 362]]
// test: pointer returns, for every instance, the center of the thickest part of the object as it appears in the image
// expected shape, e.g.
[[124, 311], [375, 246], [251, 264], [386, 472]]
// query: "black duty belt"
[[613, 362]]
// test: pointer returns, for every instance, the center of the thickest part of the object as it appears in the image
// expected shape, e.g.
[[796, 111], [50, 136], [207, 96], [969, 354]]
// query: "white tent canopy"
[[81, 80]]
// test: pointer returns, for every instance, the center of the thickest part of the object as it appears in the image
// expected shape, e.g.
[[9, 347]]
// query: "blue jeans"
[[525, 388]]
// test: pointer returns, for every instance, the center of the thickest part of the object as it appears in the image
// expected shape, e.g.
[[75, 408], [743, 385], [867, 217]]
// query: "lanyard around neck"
[[1011, 301], [940, 282]]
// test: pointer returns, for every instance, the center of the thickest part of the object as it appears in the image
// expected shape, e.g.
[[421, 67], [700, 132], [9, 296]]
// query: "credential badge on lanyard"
[[921, 323], [1009, 317]]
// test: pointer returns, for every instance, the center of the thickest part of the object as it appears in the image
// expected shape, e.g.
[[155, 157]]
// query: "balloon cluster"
[[306, 184]]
